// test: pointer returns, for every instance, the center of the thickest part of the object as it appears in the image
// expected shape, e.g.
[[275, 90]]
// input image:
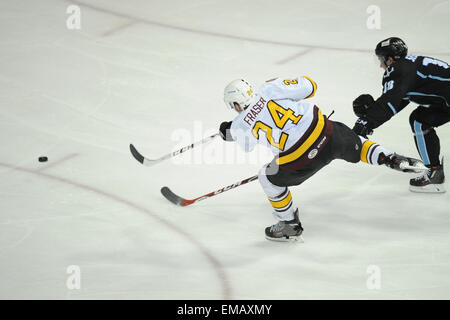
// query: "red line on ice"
[[218, 268], [224, 35]]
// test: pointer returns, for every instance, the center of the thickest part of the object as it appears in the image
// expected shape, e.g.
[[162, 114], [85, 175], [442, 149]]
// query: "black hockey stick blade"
[[172, 197], [139, 157]]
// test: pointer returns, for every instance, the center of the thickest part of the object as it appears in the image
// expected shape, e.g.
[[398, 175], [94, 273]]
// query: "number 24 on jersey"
[[280, 117]]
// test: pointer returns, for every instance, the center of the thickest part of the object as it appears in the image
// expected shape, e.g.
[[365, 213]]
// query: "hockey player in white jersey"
[[302, 139]]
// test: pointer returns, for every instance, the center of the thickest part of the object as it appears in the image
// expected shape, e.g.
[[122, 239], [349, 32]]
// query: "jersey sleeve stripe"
[[392, 107], [314, 87]]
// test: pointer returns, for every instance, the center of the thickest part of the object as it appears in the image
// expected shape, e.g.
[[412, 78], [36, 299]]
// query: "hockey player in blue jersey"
[[410, 78]]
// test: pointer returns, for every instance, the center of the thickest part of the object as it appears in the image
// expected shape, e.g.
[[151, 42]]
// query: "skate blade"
[[291, 239], [416, 168], [431, 188]]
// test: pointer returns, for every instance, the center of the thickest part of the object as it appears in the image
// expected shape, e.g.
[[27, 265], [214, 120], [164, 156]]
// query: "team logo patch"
[[388, 72], [312, 153]]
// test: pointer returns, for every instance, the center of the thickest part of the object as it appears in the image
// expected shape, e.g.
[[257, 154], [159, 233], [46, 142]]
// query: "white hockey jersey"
[[278, 118]]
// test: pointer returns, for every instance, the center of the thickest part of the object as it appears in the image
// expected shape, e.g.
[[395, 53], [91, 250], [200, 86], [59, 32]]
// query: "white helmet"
[[239, 91]]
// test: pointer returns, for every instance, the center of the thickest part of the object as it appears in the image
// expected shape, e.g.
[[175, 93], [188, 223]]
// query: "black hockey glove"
[[361, 104], [225, 131], [362, 128]]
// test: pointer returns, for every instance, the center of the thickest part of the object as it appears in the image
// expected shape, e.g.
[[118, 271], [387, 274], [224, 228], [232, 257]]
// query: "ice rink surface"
[[152, 73]]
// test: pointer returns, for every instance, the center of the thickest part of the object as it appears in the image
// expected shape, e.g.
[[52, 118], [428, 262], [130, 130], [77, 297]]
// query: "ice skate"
[[286, 230], [401, 163], [432, 181]]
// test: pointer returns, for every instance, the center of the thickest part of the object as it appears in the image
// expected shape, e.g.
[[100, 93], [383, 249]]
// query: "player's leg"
[[353, 148], [423, 121], [279, 195], [280, 198], [343, 144], [374, 154], [275, 181]]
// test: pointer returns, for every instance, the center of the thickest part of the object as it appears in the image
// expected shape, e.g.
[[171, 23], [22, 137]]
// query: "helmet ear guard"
[[238, 91]]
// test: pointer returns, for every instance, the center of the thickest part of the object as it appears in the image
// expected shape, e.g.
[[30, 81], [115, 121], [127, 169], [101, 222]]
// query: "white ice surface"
[[144, 72]]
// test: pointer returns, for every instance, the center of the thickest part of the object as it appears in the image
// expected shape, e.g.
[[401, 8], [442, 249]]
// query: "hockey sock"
[[279, 197], [282, 206], [370, 151], [427, 143]]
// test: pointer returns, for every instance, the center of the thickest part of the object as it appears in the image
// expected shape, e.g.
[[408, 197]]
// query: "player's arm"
[[309, 85], [231, 131], [224, 131], [373, 113], [299, 88], [395, 89]]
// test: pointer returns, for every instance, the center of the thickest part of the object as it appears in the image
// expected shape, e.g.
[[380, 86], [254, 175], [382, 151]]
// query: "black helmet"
[[391, 47]]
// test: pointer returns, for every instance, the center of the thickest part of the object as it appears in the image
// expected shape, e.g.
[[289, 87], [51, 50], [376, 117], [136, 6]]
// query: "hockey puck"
[[43, 159]]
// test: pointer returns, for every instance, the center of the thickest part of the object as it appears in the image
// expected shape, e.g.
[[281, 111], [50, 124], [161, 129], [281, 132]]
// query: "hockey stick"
[[179, 201], [150, 162]]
